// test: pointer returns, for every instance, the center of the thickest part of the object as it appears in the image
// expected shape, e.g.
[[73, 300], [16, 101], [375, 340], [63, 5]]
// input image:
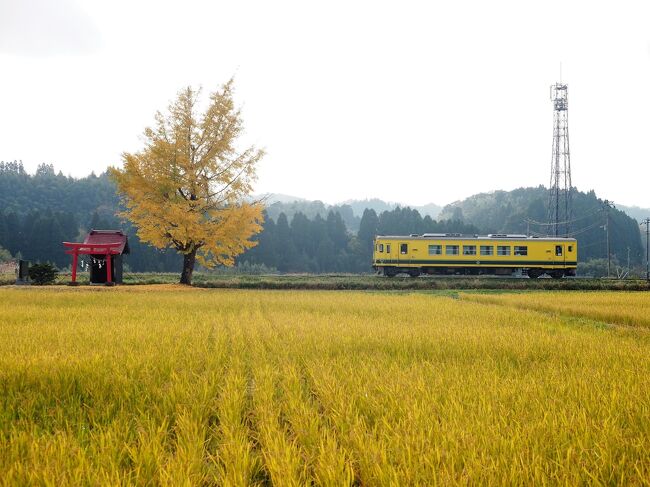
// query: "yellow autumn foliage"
[[188, 187]]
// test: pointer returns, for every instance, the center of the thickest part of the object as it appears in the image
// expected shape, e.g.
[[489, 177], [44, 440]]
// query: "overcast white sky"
[[407, 101]]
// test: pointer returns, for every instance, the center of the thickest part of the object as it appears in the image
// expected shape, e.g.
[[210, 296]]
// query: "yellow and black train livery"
[[452, 253]]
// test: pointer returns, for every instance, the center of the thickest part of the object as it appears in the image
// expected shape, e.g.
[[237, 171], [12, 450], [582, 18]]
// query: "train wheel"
[[557, 274], [390, 272], [534, 273], [414, 272]]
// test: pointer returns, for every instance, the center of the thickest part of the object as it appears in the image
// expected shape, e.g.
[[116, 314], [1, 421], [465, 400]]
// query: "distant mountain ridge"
[[635, 212], [432, 209], [358, 205]]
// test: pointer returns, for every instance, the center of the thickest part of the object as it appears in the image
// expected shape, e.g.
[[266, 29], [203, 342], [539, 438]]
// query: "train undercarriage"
[[533, 273]]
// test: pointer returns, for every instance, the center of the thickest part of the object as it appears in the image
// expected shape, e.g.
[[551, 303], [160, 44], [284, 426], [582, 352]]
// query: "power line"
[[572, 234], [585, 229], [591, 212]]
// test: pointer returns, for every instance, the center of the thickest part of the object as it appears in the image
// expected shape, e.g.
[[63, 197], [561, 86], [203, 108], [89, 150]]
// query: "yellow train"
[[451, 253]]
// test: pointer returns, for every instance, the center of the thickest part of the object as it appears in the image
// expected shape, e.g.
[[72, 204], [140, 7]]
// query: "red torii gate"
[[107, 249], [108, 243]]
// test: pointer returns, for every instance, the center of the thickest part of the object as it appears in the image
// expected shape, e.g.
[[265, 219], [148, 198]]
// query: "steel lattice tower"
[[559, 202]]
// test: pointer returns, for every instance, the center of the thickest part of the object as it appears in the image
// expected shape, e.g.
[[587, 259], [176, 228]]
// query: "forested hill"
[[39, 211], [21, 193], [522, 210]]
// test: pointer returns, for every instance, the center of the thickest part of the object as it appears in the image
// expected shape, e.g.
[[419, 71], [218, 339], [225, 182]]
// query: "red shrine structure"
[[104, 249]]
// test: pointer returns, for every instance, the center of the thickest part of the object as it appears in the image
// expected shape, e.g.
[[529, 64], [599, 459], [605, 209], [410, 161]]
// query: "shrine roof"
[[97, 237]]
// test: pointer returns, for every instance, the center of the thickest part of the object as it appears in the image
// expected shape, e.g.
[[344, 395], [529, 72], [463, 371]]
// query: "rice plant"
[[162, 385]]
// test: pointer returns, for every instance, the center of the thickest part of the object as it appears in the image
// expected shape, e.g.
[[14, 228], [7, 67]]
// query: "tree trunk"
[[188, 267]]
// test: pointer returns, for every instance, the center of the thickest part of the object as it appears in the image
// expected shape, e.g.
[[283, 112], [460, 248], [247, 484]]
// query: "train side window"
[[404, 248], [487, 250], [521, 250], [381, 247], [558, 250], [435, 249], [570, 248], [451, 249], [469, 249], [503, 249], [388, 248]]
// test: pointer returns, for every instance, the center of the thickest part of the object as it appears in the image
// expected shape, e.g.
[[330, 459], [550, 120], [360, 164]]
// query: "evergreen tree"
[[4, 231], [98, 223], [301, 233], [368, 227], [336, 231], [326, 255], [265, 252], [284, 245]]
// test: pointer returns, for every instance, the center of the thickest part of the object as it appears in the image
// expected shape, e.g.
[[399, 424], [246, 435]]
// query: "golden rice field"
[[169, 386], [629, 308]]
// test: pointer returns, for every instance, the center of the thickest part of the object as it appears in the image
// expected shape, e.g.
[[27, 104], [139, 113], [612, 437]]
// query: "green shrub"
[[41, 274], [5, 256]]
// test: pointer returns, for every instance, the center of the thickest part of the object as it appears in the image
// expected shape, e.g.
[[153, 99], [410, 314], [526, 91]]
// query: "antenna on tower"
[[559, 202]]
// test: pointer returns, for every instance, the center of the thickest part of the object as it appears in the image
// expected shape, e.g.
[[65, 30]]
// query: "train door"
[[402, 251], [389, 249]]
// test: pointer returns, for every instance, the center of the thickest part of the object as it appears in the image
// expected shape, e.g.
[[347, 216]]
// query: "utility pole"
[[606, 206], [646, 222]]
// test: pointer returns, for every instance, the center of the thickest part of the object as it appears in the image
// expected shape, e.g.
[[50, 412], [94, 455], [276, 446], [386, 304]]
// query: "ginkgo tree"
[[189, 187]]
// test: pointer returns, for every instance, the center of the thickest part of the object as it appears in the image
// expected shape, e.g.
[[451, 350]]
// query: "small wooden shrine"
[[105, 249]]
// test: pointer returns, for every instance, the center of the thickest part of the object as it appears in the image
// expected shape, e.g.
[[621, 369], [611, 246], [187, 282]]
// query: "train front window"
[[404, 248], [503, 249], [469, 249], [521, 250], [487, 250], [380, 248], [451, 249], [558, 250], [435, 249], [388, 248]]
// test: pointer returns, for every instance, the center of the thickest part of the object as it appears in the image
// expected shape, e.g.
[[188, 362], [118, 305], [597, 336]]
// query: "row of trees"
[[297, 244], [34, 222], [324, 244], [37, 236], [41, 210]]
